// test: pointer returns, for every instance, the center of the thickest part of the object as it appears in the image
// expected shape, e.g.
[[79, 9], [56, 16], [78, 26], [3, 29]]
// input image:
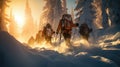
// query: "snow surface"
[[14, 54]]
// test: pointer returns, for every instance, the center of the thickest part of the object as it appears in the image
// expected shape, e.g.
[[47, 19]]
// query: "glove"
[[77, 24]]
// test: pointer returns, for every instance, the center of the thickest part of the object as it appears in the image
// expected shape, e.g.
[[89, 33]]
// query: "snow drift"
[[14, 54]]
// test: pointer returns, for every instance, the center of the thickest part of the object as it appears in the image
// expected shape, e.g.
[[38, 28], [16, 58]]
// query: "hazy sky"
[[18, 7]]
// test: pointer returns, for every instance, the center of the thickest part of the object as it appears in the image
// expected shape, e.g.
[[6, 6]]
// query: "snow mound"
[[14, 54], [109, 40]]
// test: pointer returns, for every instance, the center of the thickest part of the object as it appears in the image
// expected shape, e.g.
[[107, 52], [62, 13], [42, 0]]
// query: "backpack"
[[65, 24], [48, 31]]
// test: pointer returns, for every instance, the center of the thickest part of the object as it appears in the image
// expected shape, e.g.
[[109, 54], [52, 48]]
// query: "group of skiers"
[[65, 28]]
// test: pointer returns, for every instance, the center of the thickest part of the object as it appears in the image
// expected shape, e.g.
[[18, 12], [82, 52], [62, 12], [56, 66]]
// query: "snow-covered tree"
[[114, 12], [89, 11], [52, 13], [29, 26], [3, 16], [98, 13], [48, 12], [110, 13], [105, 18], [58, 11], [85, 12]]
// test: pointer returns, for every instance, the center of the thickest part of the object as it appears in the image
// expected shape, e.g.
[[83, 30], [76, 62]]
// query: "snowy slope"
[[14, 54]]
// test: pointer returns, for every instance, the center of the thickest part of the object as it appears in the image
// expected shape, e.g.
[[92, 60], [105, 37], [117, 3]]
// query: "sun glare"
[[19, 20]]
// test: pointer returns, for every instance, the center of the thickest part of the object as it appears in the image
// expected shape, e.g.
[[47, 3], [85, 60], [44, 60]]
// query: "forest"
[[23, 42]]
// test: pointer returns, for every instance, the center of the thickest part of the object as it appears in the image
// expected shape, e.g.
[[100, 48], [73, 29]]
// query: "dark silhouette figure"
[[47, 33], [84, 31], [65, 27], [39, 37], [31, 40]]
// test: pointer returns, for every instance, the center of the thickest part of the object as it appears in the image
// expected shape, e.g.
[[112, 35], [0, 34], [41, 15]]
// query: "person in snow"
[[31, 40], [84, 31], [65, 28], [47, 33], [39, 37]]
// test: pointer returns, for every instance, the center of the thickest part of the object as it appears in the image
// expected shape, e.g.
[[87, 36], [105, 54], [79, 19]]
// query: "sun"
[[19, 19]]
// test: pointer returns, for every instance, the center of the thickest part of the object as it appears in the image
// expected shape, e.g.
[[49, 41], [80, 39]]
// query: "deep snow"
[[14, 54]]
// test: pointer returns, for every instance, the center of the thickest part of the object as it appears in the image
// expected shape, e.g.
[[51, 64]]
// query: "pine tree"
[[3, 16], [89, 11], [105, 22], [110, 13], [85, 12], [57, 13], [98, 13], [29, 26], [48, 12], [52, 13], [114, 12]]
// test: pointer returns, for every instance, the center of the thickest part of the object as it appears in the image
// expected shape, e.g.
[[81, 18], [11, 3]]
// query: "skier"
[[47, 33], [84, 31], [31, 40], [39, 37], [65, 28]]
